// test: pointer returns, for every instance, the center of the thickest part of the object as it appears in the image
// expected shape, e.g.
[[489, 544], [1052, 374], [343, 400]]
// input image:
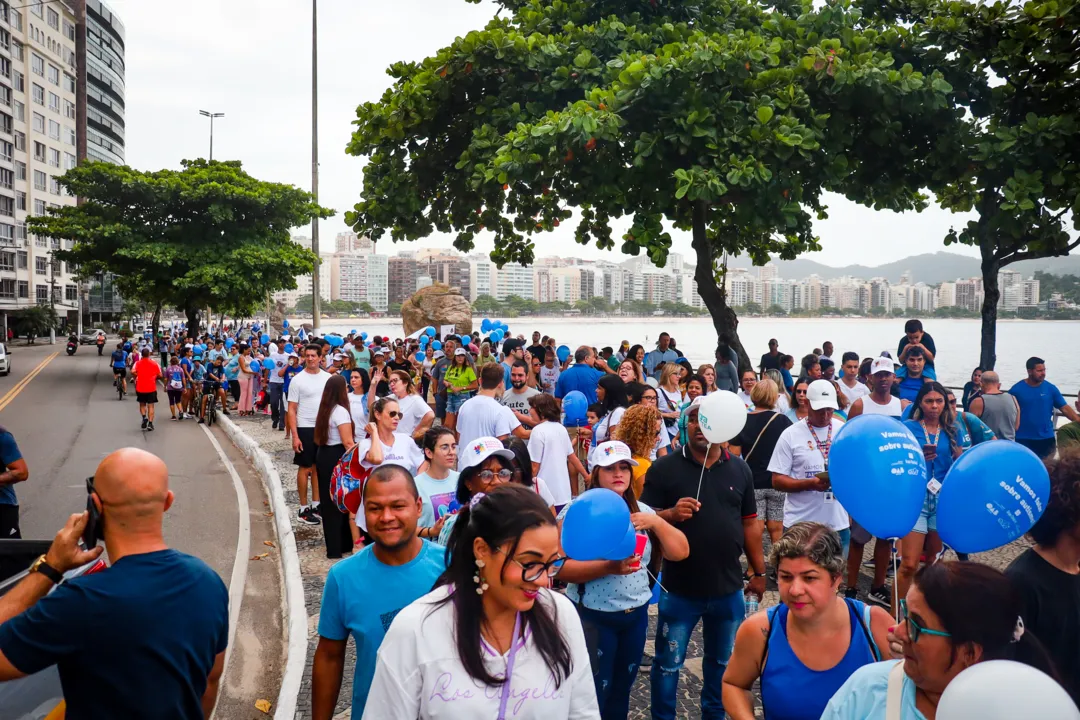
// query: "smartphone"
[[639, 549], [929, 450]]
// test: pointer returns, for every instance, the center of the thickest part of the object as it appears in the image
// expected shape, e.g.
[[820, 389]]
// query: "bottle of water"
[[752, 603]]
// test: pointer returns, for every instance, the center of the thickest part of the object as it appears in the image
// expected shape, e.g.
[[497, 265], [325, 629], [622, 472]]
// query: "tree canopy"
[[718, 116], [208, 235]]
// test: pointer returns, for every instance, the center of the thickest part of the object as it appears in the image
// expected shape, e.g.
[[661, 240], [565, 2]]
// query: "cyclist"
[[119, 362], [215, 384]]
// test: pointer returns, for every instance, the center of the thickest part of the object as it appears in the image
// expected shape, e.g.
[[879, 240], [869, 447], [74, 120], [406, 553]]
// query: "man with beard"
[[365, 592], [517, 397]]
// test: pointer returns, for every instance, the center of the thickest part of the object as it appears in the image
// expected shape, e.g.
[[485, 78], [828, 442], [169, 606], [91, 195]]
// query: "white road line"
[[243, 545]]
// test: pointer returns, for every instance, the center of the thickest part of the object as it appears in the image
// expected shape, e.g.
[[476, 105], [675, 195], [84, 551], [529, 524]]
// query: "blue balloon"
[[595, 525], [229, 342], [424, 340], [991, 495], [335, 340], [497, 336], [264, 338], [574, 406], [420, 357], [284, 323], [563, 353], [625, 547], [268, 364], [485, 326], [436, 345], [430, 332], [289, 347], [363, 336], [878, 472], [353, 331]]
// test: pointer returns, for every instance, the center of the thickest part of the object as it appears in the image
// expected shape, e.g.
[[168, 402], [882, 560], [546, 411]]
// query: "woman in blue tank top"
[[804, 649]]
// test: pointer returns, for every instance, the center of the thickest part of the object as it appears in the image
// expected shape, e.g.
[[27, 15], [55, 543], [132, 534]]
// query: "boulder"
[[436, 305]]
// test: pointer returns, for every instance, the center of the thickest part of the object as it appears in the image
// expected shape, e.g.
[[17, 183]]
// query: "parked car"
[[5, 359], [37, 696], [90, 337]]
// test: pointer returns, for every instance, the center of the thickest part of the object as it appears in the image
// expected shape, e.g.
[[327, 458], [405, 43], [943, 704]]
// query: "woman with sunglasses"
[[491, 640], [956, 614], [461, 383], [802, 407], [804, 649], [416, 414], [612, 596], [384, 444], [486, 464]]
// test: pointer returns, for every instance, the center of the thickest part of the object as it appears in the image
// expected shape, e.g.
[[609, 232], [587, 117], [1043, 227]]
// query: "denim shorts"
[[928, 517], [454, 401]]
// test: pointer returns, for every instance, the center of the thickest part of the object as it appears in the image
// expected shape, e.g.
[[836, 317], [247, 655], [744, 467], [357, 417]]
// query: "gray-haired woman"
[[806, 648]]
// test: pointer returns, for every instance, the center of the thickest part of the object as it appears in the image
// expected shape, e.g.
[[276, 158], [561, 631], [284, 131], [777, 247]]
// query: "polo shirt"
[[657, 356], [581, 378], [715, 532], [1036, 409]]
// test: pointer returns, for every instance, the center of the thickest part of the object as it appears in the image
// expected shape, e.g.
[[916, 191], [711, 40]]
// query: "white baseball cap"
[[608, 453], [379, 351], [439, 354], [460, 351], [882, 364], [821, 394], [480, 450]]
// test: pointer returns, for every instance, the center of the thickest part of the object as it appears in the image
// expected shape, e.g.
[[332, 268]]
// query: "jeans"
[[676, 619], [1043, 448], [615, 641], [277, 412]]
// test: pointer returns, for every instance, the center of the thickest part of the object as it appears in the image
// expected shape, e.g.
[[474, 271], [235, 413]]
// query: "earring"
[[481, 586]]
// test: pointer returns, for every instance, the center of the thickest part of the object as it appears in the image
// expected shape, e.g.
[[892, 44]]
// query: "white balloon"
[[651, 382], [1005, 690], [721, 415]]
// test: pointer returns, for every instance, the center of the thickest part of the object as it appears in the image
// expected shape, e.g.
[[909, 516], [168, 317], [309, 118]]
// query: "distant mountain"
[[930, 268]]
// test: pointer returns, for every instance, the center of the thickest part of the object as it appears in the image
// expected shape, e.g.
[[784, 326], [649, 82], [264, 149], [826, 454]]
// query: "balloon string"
[[895, 584], [702, 476], [656, 578]]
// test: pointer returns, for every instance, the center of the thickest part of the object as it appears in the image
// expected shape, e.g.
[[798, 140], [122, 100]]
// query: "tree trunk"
[[991, 293], [192, 322], [155, 320], [725, 322]]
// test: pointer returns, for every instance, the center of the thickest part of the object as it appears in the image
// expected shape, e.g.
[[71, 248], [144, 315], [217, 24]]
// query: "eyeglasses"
[[648, 399], [487, 475], [533, 571], [800, 392], [395, 415], [915, 629]]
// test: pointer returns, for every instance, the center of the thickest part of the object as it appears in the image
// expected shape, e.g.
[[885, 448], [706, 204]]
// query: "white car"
[[5, 360]]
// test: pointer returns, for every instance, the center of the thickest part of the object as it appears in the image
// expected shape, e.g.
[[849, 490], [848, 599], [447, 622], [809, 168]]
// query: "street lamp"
[[211, 115]]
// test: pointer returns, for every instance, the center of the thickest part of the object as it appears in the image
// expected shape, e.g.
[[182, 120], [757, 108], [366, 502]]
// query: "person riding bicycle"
[[119, 363], [215, 383]]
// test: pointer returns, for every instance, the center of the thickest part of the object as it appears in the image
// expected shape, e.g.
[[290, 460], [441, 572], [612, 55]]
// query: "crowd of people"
[[462, 601]]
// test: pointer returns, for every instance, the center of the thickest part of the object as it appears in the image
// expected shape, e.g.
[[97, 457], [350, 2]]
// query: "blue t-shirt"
[[785, 375], [865, 695], [1037, 406], [119, 359], [138, 638], [290, 373], [944, 460], [362, 596], [198, 373], [187, 364], [232, 367], [9, 453], [581, 378], [215, 373], [909, 388]]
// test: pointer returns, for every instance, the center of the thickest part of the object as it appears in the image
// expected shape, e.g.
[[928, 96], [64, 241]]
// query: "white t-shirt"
[[404, 452], [419, 675], [548, 377], [306, 391], [413, 411], [280, 361], [797, 455], [602, 431], [669, 401], [358, 410], [550, 445], [745, 397], [782, 403], [483, 416], [853, 394], [338, 416], [543, 490]]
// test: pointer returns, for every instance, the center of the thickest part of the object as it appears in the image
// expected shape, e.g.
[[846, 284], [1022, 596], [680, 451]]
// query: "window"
[[38, 123], [6, 122], [41, 293], [39, 151], [16, 19], [40, 242], [20, 200], [20, 110], [39, 209], [70, 131], [37, 64], [40, 180], [5, 40], [7, 178], [69, 109], [7, 206], [20, 170], [38, 93], [41, 266], [18, 80], [54, 102], [24, 289], [69, 31], [23, 258], [54, 186], [17, 50], [69, 83], [54, 158], [70, 161], [7, 286], [54, 130], [20, 234], [37, 7], [5, 67], [7, 150], [71, 293], [54, 75], [7, 263], [53, 18]]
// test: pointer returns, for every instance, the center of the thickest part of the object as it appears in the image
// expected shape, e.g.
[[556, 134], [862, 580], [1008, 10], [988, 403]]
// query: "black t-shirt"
[[715, 532], [927, 342], [1052, 612], [405, 365], [759, 460], [770, 362], [538, 351]]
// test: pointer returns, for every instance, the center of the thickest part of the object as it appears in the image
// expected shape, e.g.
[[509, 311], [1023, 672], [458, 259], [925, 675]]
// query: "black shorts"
[[306, 457], [174, 396], [149, 398], [119, 372]]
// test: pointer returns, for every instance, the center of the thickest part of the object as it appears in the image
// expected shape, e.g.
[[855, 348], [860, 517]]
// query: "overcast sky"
[[251, 59]]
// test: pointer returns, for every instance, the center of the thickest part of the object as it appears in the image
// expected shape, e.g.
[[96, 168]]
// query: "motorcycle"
[[72, 347]]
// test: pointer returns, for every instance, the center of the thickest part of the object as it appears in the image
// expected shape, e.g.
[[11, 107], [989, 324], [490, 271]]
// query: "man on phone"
[[305, 395]]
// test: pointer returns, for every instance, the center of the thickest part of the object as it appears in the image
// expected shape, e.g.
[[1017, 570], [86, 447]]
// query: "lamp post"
[[211, 115], [316, 310]]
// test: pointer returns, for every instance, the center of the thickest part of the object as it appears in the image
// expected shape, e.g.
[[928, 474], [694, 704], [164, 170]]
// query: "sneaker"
[[306, 516], [144, 422], [880, 596], [150, 426], [852, 593], [174, 418], [313, 512], [201, 421]]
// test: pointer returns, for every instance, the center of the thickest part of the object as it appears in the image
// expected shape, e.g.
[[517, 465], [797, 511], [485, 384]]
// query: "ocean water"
[[1057, 342]]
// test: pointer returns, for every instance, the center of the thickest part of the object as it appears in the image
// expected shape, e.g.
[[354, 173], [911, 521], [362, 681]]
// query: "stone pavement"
[[314, 567]]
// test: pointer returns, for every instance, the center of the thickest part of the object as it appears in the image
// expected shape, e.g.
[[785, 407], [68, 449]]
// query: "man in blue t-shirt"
[[1038, 399], [365, 592], [118, 362], [145, 637], [14, 470], [583, 375], [914, 378], [663, 353]]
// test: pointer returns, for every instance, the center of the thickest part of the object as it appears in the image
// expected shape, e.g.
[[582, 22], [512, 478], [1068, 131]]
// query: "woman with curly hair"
[[639, 428]]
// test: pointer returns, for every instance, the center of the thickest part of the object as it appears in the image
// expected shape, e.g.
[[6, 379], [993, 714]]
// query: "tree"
[[1017, 161], [776, 310], [208, 235], [753, 308], [35, 321], [485, 304], [877, 311], [720, 117]]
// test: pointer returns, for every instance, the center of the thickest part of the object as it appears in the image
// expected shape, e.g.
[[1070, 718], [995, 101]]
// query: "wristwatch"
[[759, 574], [40, 566]]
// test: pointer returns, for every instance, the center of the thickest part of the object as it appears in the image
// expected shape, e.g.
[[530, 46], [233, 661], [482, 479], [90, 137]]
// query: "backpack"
[[347, 481]]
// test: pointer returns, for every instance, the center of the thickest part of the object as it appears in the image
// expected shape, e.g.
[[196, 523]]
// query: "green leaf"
[[764, 114]]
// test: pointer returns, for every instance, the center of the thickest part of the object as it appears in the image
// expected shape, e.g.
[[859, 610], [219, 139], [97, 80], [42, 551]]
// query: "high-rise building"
[[361, 277], [969, 294], [402, 274], [768, 272], [480, 278], [103, 76], [351, 242], [946, 294], [452, 270], [38, 122], [512, 279]]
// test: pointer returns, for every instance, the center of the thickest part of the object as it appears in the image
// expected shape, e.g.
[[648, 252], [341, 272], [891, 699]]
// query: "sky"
[[251, 59]]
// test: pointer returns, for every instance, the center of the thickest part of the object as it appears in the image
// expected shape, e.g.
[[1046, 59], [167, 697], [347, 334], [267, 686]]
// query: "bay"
[[1056, 342]]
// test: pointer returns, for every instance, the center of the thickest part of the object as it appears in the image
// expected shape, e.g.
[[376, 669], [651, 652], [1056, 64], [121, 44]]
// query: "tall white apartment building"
[[360, 278], [946, 294], [480, 276], [512, 279]]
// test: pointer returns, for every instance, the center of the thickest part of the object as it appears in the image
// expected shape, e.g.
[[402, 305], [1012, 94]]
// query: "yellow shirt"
[[637, 479]]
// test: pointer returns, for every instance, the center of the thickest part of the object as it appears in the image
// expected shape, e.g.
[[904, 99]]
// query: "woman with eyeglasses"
[[802, 407], [640, 427], [669, 398], [384, 444], [955, 615], [612, 596], [491, 640], [416, 414], [629, 371], [485, 465], [805, 648]]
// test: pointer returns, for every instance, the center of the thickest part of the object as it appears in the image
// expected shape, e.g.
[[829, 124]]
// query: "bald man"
[[145, 637]]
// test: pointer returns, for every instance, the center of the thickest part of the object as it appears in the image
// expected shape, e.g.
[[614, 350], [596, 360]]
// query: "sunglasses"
[[533, 571], [395, 415], [914, 628], [488, 475]]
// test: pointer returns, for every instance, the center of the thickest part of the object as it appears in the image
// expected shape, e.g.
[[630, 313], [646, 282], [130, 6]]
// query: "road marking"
[[19, 386], [243, 544]]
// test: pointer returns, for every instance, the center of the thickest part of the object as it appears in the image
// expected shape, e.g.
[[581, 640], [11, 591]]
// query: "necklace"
[[823, 448], [930, 439]]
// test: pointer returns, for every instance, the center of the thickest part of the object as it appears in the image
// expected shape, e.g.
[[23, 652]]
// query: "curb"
[[294, 606]]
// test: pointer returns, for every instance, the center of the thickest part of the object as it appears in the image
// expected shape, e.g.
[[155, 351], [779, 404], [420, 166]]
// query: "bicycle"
[[119, 387], [211, 406]]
